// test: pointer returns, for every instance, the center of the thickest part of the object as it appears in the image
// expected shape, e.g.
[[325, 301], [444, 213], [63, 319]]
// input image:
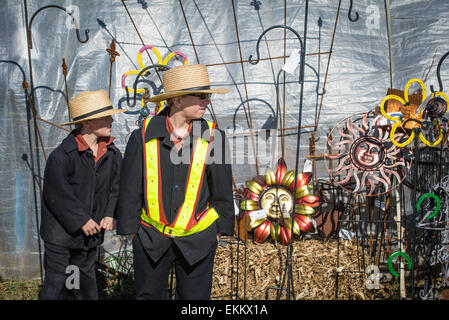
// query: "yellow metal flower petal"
[[255, 223], [303, 209], [288, 224], [254, 187], [407, 86], [393, 131], [270, 177], [303, 191], [275, 230], [249, 205], [382, 106], [288, 178]]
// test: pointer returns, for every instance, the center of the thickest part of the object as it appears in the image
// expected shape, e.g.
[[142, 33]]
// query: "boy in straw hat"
[[79, 196], [176, 196]]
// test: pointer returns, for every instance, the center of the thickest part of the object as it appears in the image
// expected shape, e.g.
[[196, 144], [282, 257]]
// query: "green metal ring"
[[390, 262], [429, 195]]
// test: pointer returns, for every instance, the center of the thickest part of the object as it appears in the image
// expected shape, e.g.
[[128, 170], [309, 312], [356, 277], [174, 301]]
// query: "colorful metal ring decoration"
[[435, 109], [273, 205], [170, 56], [390, 262]]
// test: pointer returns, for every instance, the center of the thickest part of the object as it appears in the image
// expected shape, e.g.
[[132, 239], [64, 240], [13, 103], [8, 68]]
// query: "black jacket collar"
[[157, 127]]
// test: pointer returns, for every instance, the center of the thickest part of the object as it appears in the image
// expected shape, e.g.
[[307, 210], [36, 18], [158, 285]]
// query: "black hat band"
[[92, 113]]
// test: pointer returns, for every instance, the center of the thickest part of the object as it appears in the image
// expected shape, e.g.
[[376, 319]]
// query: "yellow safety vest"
[[153, 214]]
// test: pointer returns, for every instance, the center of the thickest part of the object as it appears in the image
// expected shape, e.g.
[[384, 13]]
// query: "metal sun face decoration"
[[271, 203], [367, 159]]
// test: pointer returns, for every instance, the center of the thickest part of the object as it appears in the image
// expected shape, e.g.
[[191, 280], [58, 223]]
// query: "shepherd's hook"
[[86, 32]]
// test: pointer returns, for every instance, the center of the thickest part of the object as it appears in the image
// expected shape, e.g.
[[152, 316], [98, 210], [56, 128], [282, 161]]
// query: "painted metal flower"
[[272, 204], [431, 110]]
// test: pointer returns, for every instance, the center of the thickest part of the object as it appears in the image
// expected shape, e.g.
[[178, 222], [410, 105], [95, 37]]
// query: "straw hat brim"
[[95, 116], [168, 95]]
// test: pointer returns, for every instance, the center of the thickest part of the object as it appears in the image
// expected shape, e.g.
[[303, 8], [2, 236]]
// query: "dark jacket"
[[75, 190], [216, 189]]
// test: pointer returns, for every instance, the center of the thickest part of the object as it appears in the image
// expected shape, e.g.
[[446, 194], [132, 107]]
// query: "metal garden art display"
[[432, 216], [368, 161], [272, 205]]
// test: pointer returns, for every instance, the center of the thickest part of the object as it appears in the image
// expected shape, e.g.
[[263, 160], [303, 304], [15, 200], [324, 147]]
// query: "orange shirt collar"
[[103, 142]]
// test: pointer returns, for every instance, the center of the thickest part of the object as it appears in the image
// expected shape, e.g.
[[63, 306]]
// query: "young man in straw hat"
[[79, 196], [176, 196]]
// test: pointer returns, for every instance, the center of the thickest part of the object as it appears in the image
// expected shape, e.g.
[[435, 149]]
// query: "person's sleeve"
[[59, 196], [220, 184], [129, 205], [115, 184]]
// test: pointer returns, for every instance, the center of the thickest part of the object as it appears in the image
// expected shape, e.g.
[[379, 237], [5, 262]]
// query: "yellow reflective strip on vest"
[[194, 184], [209, 217], [152, 176]]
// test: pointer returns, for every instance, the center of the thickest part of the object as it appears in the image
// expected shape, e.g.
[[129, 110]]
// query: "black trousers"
[[151, 278], [58, 276]]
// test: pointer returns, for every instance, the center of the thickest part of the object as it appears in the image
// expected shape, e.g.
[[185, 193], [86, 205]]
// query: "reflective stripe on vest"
[[185, 222]]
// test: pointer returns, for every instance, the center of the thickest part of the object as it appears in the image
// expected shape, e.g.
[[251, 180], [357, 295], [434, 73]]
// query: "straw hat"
[[185, 79], [91, 105]]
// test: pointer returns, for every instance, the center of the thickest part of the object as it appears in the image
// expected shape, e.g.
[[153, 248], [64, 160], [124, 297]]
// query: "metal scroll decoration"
[[368, 162], [272, 205], [162, 64]]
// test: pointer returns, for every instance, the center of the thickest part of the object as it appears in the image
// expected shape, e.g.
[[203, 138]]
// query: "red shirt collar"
[[103, 142], [175, 138]]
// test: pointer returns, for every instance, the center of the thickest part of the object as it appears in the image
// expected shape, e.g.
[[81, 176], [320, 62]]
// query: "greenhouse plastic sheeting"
[[367, 58]]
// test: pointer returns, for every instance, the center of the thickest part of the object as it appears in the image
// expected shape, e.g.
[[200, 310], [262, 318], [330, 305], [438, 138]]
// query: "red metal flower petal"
[[305, 223], [285, 235], [302, 180], [309, 200], [262, 232], [281, 170]]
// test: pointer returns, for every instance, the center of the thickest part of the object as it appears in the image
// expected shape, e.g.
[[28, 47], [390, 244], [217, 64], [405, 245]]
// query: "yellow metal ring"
[[139, 55], [393, 131], [127, 73], [407, 86], [440, 137], [175, 53], [382, 108]]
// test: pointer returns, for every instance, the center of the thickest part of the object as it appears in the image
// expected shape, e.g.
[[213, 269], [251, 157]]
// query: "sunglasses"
[[202, 95]]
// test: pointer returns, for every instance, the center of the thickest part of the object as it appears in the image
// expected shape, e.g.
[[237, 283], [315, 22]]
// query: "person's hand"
[[90, 228], [132, 235], [107, 223], [218, 236]]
